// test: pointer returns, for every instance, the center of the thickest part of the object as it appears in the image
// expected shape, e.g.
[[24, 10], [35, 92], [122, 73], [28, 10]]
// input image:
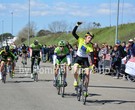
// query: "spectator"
[[74, 53], [116, 61], [132, 47], [96, 52]]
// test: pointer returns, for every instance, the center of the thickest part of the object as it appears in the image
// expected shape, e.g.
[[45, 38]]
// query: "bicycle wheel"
[[62, 86], [58, 87], [84, 89], [78, 92], [10, 74], [35, 77], [84, 97], [4, 78], [23, 64]]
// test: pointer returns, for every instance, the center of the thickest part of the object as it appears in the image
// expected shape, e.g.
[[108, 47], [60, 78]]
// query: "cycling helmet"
[[36, 42], [89, 34], [61, 43]]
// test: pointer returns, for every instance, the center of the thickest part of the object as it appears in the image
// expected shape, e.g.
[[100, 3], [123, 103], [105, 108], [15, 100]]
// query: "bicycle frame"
[[60, 80], [24, 61], [81, 86], [4, 73], [9, 65], [35, 69]]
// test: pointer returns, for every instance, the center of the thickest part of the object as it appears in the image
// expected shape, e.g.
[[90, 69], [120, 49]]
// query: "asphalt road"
[[105, 93]]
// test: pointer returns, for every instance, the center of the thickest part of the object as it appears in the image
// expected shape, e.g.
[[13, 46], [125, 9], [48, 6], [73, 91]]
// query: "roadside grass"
[[102, 35]]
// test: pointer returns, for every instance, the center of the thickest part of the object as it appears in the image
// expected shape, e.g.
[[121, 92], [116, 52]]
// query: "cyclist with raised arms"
[[61, 56], [85, 49], [35, 50]]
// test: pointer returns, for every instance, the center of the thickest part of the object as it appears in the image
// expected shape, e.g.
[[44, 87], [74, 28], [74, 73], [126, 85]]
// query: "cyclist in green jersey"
[[35, 50], [85, 48], [4, 55], [61, 56]]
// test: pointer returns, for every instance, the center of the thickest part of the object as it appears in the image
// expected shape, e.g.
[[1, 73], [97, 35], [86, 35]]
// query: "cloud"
[[2, 7], [39, 8], [107, 8], [42, 9]]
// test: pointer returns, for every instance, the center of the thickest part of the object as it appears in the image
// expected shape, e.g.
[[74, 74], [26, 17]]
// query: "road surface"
[[105, 93]]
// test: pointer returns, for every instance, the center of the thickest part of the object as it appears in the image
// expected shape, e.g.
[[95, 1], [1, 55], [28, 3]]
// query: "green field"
[[102, 35]]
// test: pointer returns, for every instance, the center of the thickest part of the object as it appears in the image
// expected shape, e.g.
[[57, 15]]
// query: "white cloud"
[[2, 7], [41, 9], [61, 8], [106, 8], [39, 13]]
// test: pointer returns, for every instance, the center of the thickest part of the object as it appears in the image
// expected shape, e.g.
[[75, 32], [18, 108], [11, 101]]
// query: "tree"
[[6, 36], [58, 26], [43, 33], [23, 34], [96, 25]]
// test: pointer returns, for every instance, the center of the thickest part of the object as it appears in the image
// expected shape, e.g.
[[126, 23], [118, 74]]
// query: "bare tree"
[[58, 26], [96, 25], [23, 34]]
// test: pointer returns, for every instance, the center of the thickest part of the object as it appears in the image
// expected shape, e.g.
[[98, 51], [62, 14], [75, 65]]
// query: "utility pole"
[[12, 23], [116, 37], [2, 31], [110, 11], [29, 25]]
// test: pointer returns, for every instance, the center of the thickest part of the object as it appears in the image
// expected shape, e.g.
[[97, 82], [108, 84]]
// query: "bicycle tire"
[[23, 65], [4, 78], [84, 98], [62, 87], [84, 86], [58, 88], [35, 77], [78, 93], [10, 74]]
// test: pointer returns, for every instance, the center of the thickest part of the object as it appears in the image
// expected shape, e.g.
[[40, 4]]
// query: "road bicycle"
[[81, 88], [7, 69], [35, 69], [4, 73], [24, 61], [60, 80]]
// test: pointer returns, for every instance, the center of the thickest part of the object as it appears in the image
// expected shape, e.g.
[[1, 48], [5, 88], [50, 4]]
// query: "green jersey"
[[35, 47], [60, 52], [61, 55], [4, 55]]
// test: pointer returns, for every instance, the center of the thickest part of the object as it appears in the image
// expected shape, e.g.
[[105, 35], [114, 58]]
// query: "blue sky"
[[44, 12]]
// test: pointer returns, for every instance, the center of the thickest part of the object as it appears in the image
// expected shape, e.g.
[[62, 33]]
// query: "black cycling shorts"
[[82, 61]]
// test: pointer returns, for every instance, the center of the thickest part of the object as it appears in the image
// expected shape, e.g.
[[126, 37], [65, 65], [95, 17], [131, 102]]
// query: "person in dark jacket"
[[116, 61], [132, 47]]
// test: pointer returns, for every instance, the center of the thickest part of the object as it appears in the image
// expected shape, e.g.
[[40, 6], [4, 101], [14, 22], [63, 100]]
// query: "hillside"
[[102, 35]]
